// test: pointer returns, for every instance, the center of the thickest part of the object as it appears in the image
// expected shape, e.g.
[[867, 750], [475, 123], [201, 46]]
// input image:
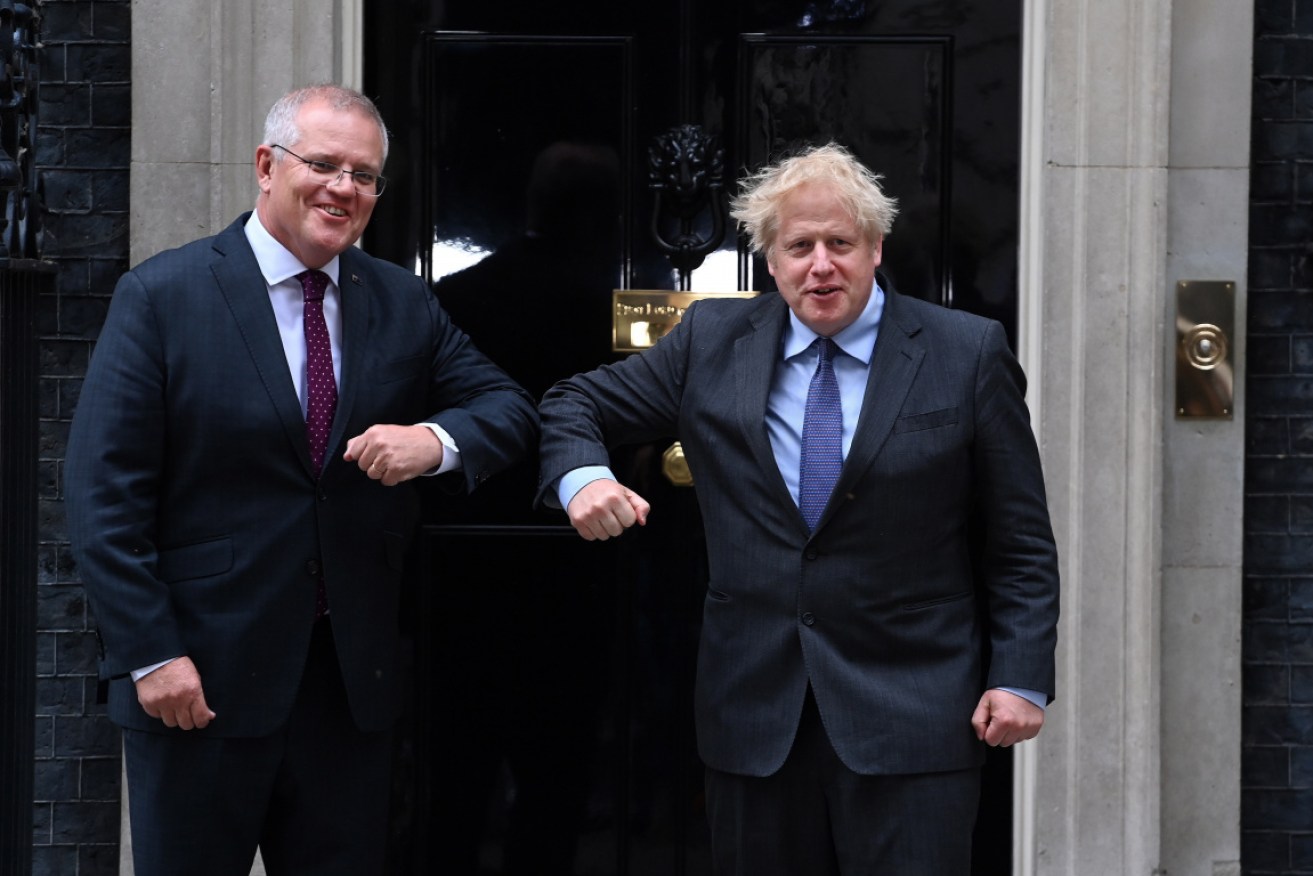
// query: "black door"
[[552, 728]]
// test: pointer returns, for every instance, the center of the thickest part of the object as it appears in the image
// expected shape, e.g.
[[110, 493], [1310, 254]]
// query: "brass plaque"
[[1205, 328], [641, 317]]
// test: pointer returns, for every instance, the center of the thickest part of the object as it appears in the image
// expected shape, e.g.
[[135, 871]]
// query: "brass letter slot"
[[1205, 326], [641, 317]]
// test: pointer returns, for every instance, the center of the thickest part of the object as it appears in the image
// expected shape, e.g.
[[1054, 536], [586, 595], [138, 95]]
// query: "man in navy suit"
[[883, 593], [241, 498]]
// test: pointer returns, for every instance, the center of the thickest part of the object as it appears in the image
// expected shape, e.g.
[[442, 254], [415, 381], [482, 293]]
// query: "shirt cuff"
[[450, 452], [139, 674], [1034, 696], [576, 479]]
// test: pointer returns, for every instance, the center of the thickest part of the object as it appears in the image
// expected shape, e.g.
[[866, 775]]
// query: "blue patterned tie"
[[822, 437]]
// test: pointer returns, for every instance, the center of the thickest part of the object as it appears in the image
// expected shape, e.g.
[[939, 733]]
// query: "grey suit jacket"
[[931, 576], [197, 523]]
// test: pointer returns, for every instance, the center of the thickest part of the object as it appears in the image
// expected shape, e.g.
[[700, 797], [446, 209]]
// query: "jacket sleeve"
[[1017, 561], [112, 476], [490, 417], [634, 400]]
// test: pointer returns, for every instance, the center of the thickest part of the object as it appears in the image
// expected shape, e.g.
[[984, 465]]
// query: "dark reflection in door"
[[568, 746], [524, 636]]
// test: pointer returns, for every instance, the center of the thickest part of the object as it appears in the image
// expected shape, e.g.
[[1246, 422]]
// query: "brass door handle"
[[675, 467]]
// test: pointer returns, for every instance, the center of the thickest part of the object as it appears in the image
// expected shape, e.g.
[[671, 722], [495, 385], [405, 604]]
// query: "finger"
[[640, 507], [199, 713], [353, 448], [168, 714], [622, 514], [980, 720], [606, 525], [597, 528]]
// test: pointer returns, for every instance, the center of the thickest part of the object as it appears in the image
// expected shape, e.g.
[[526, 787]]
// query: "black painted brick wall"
[[1277, 772], [83, 149]]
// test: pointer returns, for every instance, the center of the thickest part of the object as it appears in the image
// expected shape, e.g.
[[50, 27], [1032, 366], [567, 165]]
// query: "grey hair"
[[757, 205], [280, 125]]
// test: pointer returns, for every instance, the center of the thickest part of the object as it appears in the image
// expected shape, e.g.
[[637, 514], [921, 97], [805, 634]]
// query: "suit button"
[[312, 568], [808, 618], [811, 553]]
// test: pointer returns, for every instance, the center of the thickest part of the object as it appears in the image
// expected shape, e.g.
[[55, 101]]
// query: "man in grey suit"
[[883, 593], [240, 489]]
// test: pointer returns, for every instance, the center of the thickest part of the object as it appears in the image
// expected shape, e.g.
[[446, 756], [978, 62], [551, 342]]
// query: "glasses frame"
[[317, 166]]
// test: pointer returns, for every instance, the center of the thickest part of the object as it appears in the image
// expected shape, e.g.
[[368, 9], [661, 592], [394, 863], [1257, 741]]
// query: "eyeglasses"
[[366, 183]]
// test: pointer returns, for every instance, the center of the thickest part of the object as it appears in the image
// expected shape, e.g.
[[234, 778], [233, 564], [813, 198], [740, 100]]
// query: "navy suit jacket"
[[197, 523], [931, 576]]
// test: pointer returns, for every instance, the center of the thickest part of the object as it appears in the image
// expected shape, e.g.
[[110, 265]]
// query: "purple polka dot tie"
[[822, 437], [321, 388]]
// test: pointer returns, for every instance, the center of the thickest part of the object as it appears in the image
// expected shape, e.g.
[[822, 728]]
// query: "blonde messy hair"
[[757, 206]]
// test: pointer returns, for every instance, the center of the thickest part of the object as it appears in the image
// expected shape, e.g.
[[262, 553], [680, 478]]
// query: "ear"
[[770, 261], [879, 251], [264, 166]]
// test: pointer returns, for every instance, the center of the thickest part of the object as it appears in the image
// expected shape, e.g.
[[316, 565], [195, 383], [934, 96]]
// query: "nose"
[[342, 177], [821, 263]]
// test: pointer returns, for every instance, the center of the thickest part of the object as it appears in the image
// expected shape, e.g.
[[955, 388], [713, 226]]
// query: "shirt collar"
[[857, 340], [276, 262]]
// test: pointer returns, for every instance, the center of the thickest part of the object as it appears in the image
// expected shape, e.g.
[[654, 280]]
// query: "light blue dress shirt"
[[787, 403]]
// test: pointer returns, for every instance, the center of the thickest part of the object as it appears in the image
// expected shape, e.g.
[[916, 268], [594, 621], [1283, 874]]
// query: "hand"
[[1003, 719], [604, 508], [173, 694], [393, 454]]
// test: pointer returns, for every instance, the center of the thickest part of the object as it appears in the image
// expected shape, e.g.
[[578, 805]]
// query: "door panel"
[[552, 723], [814, 89], [482, 161]]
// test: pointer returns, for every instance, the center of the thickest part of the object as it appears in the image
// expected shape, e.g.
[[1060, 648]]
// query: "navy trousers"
[[818, 817], [313, 796]]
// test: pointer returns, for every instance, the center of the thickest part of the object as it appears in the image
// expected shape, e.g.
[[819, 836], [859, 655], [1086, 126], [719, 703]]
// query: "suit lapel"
[[242, 285], [755, 355], [352, 282], [894, 366]]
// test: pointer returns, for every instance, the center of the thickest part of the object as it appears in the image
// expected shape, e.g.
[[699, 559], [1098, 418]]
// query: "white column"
[[203, 76], [1137, 177], [1101, 327]]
